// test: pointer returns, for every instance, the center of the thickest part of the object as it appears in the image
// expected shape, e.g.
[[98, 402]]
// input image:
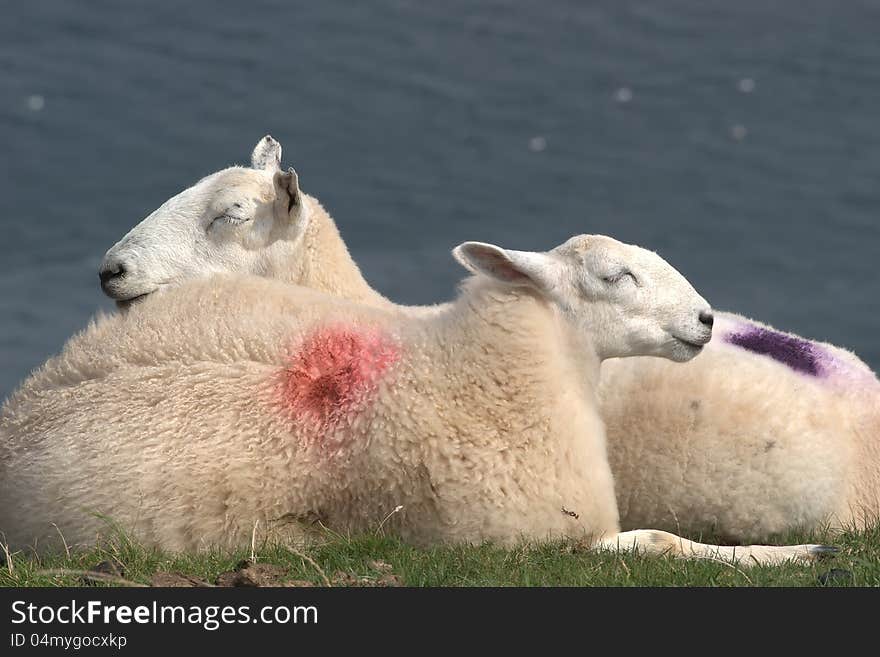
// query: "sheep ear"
[[266, 155], [535, 270], [289, 202]]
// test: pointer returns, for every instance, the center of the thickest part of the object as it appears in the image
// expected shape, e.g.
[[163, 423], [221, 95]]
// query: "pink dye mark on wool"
[[333, 375]]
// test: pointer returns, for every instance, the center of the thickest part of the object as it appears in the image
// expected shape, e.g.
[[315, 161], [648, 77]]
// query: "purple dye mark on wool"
[[798, 354]]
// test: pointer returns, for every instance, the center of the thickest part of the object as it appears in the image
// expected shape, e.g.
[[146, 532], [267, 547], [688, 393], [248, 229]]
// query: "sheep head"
[[628, 300], [235, 220]]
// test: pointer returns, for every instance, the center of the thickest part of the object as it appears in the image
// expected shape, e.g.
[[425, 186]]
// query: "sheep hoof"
[[823, 551]]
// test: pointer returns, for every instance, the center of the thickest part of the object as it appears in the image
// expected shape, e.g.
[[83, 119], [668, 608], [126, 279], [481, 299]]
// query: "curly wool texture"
[[167, 421], [734, 442], [798, 354], [485, 427], [332, 376], [708, 469], [742, 444]]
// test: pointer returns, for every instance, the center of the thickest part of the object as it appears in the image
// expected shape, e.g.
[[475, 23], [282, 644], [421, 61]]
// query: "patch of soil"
[[176, 580], [247, 573]]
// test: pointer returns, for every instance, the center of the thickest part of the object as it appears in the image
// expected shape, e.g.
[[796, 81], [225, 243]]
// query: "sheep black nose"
[[110, 271], [707, 318]]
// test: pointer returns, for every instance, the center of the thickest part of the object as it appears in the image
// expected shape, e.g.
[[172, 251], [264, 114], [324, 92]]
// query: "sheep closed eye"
[[228, 219], [619, 277]]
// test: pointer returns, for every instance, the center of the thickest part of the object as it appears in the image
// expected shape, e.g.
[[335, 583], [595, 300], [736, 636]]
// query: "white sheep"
[[744, 441], [247, 220], [765, 432], [230, 404]]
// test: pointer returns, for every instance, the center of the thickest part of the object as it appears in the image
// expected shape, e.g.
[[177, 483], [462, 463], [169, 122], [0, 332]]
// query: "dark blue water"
[[741, 140]]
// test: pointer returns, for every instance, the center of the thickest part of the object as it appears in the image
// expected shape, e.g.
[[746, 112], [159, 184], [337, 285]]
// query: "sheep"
[[764, 433], [249, 220], [739, 442], [228, 404]]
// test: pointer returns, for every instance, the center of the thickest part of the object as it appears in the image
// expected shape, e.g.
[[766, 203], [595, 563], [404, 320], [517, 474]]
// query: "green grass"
[[366, 559]]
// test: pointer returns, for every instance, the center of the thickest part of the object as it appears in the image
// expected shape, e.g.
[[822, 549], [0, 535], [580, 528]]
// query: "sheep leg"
[[652, 541]]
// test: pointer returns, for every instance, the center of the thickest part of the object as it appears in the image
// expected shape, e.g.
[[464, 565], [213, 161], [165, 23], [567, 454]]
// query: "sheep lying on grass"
[[229, 404], [764, 432]]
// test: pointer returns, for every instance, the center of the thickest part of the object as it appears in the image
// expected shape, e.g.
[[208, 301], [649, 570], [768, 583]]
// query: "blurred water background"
[[741, 140]]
